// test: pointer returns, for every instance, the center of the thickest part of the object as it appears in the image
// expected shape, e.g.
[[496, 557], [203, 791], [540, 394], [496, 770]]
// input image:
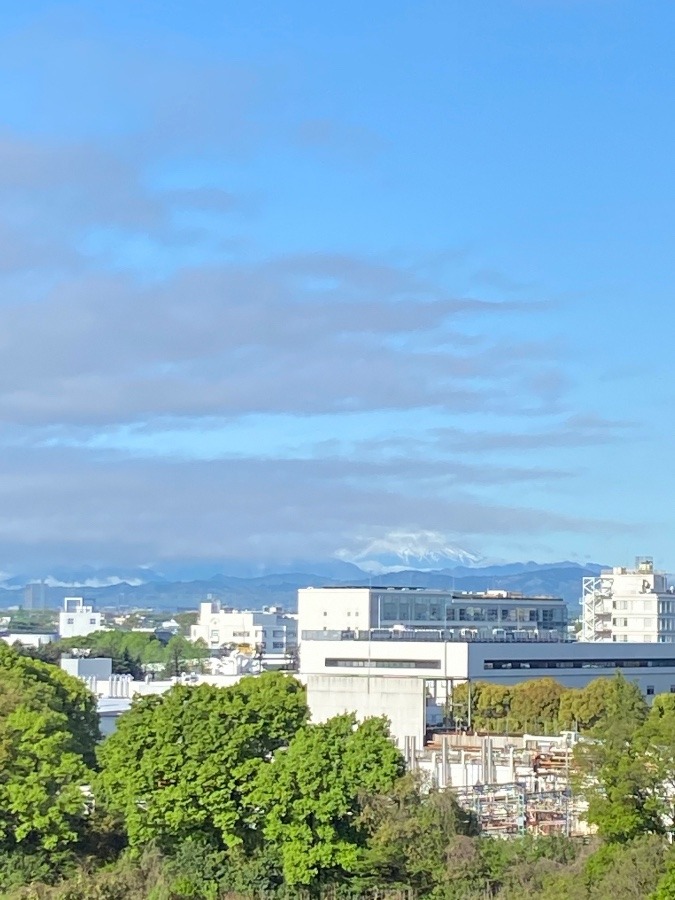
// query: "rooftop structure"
[[629, 605], [460, 615]]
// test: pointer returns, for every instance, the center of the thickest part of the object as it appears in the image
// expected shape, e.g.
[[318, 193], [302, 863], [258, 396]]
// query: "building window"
[[92, 621], [616, 663], [278, 645], [672, 689], [650, 690], [421, 610], [389, 610]]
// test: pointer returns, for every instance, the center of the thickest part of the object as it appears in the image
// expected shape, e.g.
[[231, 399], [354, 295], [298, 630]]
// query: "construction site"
[[513, 784]]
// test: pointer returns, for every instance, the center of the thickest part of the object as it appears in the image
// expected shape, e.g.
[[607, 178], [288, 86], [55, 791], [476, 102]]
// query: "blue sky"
[[283, 280]]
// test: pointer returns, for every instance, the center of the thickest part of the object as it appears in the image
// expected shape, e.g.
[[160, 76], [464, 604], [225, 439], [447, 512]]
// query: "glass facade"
[[428, 609], [578, 663]]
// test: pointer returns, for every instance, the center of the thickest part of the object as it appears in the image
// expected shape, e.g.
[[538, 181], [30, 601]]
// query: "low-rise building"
[[270, 632], [78, 618]]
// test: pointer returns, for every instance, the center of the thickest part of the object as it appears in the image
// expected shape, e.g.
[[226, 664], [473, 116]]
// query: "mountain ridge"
[[561, 579]]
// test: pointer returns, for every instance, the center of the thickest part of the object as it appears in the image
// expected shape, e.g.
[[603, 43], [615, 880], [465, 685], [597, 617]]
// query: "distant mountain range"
[[253, 587]]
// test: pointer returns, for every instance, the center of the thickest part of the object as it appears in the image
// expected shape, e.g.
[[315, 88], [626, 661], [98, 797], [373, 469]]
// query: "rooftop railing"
[[441, 636]]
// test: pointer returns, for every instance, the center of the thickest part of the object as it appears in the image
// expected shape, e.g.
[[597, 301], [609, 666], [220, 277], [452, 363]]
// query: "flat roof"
[[488, 594]]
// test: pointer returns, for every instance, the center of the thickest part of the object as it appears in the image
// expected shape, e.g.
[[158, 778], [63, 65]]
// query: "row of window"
[[578, 663], [425, 610], [635, 623], [382, 663]]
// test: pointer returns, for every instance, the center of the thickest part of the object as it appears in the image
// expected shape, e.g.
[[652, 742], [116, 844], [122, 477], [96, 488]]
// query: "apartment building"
[[624, 605]]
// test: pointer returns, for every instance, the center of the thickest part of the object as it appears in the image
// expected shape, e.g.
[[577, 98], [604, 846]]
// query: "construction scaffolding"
[[513, 784], [510, 809]]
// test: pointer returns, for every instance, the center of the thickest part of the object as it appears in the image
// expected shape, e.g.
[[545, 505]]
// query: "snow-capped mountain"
[[399, 551]]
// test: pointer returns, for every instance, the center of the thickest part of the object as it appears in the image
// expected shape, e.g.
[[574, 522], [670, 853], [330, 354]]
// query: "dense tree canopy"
[[230, 792], [310, 798], [540, 705], [182, 765], [48, 730]]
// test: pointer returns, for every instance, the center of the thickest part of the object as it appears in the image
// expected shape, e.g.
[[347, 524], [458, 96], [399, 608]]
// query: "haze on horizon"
[[286, 280]]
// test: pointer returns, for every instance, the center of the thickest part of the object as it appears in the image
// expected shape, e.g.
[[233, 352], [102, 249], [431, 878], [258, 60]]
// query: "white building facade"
[[271, 631], [624, 605], [485, 615], [78, 618], [409, 679], [400, 652]]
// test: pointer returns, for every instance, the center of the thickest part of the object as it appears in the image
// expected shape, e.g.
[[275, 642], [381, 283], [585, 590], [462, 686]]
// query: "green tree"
[[46, 686], [611, 773], [182, 655], [46, 733], [41, 799], [310, 798], [535, 705], [418, 840], [655, 748], [585, 708], [181, 766]]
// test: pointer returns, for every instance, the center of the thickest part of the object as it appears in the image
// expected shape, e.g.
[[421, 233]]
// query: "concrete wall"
[[79, 623], [83, 667], [445, 660], [333, 609], [401, 700]]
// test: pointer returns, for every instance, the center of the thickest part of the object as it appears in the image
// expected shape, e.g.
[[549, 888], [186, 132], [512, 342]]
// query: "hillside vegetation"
[[231, 793]]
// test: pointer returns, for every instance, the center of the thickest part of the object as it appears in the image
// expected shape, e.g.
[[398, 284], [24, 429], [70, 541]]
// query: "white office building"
[[457, 615], [409, 679], [400, 652], [628, 605], [270, 631], [78, 618]]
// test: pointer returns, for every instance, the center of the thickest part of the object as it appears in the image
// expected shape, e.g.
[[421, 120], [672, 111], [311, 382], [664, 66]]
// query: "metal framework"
[[596, 603], [511, 809]]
